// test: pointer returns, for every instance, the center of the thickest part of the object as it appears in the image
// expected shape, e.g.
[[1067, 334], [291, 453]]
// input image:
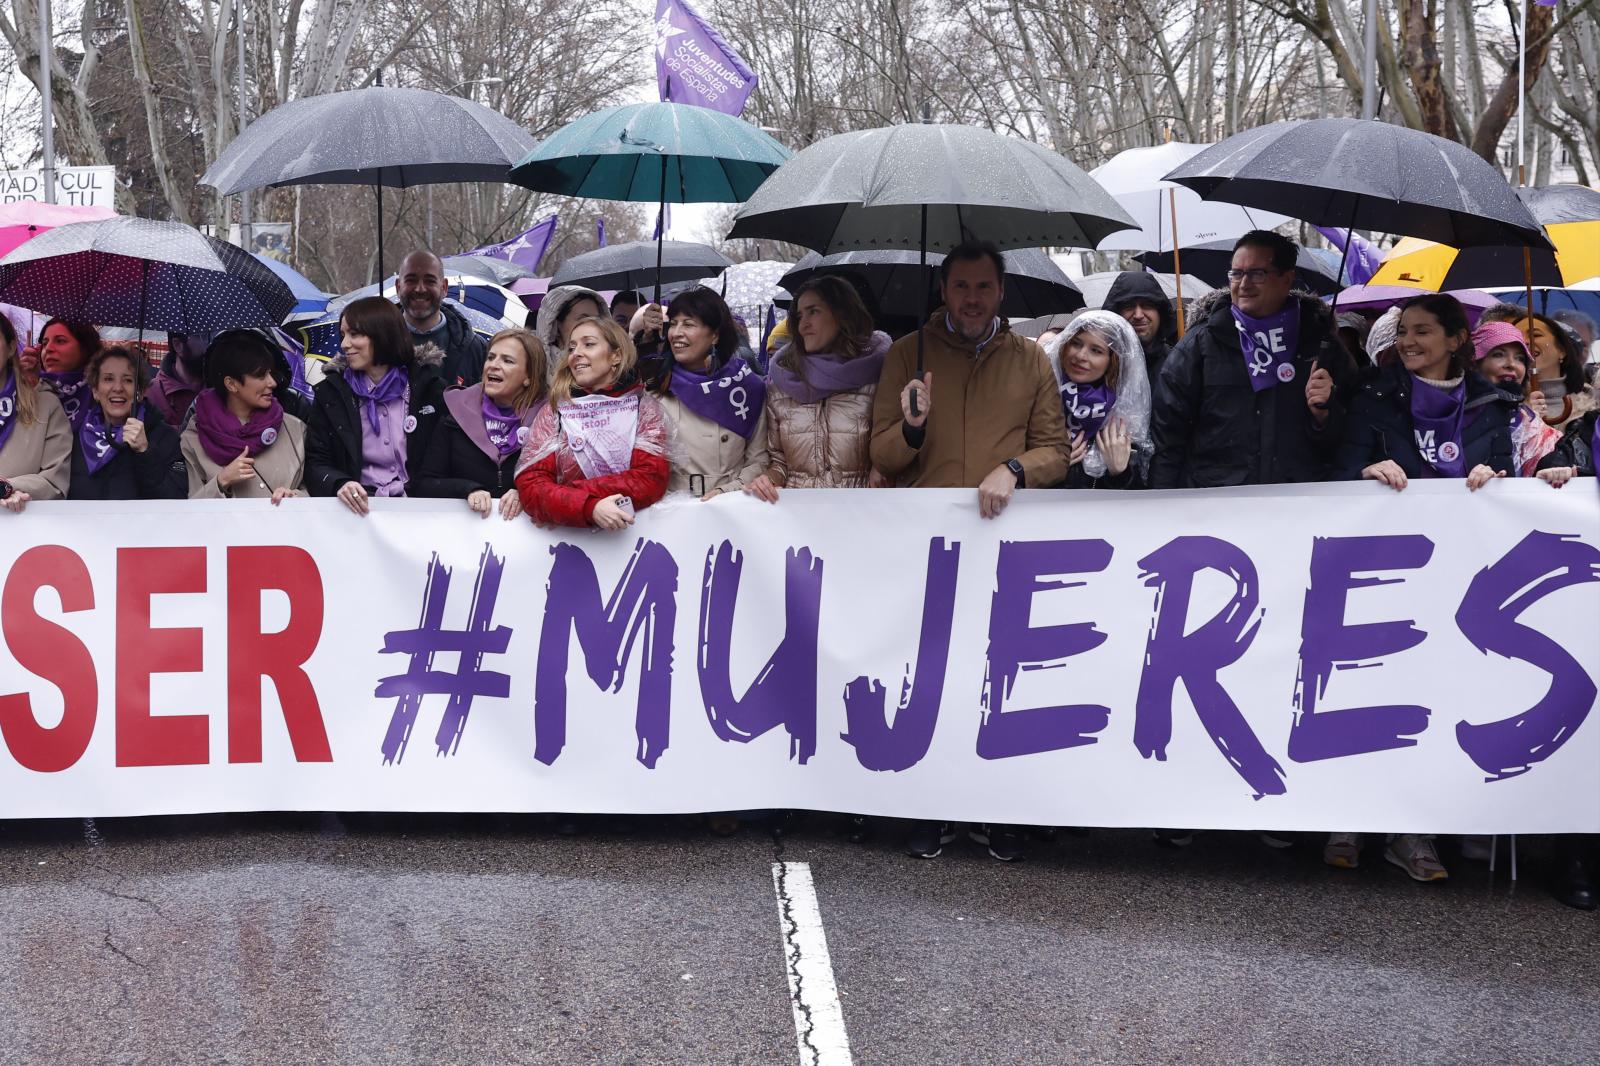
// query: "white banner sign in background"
[[79, 186], [1300, 658]]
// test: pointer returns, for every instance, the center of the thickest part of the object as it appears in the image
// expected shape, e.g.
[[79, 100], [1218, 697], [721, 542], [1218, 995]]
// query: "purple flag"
[[1364, 258], [600, 232], [526, 248], [694, 65]]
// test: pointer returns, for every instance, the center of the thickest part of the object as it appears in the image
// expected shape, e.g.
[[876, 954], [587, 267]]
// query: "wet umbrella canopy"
[[633, 265], [1034, 285], [143, 274], [1364, 174], [868, 189], [374, 136], [488, 267]]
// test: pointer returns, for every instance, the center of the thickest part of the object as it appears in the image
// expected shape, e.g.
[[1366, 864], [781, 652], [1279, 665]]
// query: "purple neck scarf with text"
[[733, 398], [8, 409], [506, 431], [73, 392], [1436, 419], [1087, 406], [1269, 344], [98, 440], [223, 436]]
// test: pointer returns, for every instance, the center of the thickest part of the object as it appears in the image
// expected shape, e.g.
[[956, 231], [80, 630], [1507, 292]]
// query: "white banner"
[[1299, 658], [78, 186]]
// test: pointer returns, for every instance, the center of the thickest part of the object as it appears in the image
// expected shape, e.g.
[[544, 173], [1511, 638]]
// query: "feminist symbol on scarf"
[[1263, 357], [6, 407], [737, 397]]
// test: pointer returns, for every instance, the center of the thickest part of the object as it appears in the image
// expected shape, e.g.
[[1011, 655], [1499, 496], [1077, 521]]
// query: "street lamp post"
[[47, 110]]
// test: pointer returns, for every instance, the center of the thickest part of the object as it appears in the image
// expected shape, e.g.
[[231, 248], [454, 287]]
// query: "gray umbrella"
[[143, 274], [488, 267], [633, 265], [376, 136], [1034, 285], [1364, 174], [869, 189], [929, 187]]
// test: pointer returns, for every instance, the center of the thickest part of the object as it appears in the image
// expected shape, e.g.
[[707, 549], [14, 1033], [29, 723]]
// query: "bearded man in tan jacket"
[[988, 411]]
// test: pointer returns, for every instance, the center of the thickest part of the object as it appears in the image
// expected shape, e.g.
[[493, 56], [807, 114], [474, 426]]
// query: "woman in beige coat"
[[240, 444], [819, 406], [35, 436], [715, 402]]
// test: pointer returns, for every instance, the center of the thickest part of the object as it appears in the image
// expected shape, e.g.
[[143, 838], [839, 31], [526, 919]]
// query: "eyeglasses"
[[1255, 277]]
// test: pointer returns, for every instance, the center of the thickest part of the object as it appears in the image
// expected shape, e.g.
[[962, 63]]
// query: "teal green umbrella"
[[653, 153]]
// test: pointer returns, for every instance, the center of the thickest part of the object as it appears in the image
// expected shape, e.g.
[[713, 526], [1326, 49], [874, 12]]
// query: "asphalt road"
[[307, 939]]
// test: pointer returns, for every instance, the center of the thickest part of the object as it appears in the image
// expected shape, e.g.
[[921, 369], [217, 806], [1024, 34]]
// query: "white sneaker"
[[1415, 855]]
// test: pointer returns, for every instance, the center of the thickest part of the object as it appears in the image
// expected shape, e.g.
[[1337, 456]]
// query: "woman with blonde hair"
[[35, 435], [597, 451], [474, 453]]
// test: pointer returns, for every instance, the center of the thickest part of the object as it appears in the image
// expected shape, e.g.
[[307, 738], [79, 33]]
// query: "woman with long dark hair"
[[475, 451], [35, 436], [60, 359], [715, 402], [1429, 414], [819, 405], [374, 411]]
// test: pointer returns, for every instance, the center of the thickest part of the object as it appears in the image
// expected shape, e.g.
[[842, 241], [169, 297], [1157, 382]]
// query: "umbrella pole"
[[1177, 266], [1338, 279], [378, 191], [661, 227], [922, 273], [144, 293]]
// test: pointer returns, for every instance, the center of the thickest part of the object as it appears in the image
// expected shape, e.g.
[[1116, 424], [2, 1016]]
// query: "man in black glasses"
[[1250, 396]]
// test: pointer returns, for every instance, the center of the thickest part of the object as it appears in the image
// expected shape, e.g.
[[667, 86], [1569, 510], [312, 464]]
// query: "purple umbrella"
[[1381, 297]]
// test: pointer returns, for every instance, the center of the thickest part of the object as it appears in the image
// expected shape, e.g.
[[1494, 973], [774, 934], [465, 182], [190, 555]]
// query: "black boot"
[[1574, 884]]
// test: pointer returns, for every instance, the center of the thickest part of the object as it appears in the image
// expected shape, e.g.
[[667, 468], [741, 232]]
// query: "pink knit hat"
[[1491, 335]]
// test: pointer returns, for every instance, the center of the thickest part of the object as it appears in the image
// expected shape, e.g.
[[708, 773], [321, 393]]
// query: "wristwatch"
[[1015, 466]]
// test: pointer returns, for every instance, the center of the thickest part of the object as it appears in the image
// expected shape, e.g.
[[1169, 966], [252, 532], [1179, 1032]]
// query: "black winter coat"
[[333, 435], [157, 473], [464, 351], [460, 460], [1210, 428], [1379, 427], [1576, 446]]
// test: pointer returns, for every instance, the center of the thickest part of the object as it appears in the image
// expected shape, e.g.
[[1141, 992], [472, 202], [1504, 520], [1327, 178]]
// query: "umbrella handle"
[[922, 273]]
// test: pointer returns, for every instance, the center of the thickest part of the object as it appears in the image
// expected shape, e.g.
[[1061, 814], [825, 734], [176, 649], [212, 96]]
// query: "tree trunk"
[[1422, 62], [1502, 107]]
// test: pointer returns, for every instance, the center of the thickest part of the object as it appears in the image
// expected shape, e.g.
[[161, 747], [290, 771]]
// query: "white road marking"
[[818, 1016]]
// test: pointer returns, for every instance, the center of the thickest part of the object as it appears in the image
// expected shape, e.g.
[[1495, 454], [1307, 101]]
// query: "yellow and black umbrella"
[[1570, 215]]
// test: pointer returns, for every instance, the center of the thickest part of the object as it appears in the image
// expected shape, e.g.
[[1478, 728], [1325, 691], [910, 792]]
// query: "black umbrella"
[[143, 274], [1211, 261], [929, 187], [633, 265], [899, 285], [376, 136], [1364, 174]]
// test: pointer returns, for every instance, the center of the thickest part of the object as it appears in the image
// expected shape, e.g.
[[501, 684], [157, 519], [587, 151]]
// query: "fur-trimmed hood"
[[1312, 309]]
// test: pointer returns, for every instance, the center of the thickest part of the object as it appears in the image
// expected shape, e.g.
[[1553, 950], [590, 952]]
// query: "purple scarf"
[[1436, 419], [506, 431], [1087, 406], [223, 437], [1269, 344], [98, 441], [73, 392], [827, 374], [8, 409], [734, 399], [389, 388]]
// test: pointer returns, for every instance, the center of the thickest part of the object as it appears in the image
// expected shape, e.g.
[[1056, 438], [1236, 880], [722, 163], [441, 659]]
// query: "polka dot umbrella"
[[143, 274]]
